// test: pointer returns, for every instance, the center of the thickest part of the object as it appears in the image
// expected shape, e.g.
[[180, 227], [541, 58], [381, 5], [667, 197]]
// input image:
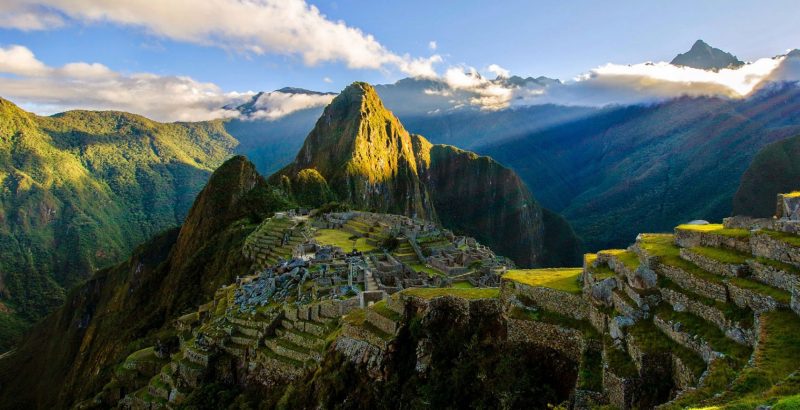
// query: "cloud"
[[47, 90], [327, 80], [498, 71], [290, 27], [432, 45], [274, 105]]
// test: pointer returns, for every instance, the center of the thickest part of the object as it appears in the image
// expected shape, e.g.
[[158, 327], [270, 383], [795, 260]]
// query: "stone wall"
[[682, 375], [620, 391], [685, 280], [569, 342], [682, 303], [767, 247], [563, 303], [747, 298], [773, 276], [713, 265], [699, 346], [686, 238]]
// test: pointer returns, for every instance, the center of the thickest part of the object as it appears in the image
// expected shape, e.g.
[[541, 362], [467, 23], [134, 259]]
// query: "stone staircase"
[[300, 338]]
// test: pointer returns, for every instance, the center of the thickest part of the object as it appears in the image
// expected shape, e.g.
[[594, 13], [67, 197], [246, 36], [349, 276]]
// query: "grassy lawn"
[[564, 279], [463, 285], [717, 229], [342, 239], [794, 194], [722, 255], [474, 293]]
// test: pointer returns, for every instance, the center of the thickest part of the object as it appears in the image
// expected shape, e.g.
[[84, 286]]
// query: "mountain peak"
[[706, 57]]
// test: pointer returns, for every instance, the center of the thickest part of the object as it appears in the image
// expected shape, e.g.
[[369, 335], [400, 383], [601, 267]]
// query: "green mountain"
[[120, 309], [362, 152], [81, 189], [775, 169]]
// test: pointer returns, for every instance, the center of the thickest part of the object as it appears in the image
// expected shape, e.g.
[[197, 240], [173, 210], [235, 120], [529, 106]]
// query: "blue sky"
[[560, 39]]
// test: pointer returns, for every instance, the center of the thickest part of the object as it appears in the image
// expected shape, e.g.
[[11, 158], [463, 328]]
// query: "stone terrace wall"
[[556, 301], [569, 342]]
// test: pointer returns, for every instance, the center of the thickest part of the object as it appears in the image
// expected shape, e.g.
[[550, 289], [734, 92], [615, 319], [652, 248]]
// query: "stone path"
[[370, 283]]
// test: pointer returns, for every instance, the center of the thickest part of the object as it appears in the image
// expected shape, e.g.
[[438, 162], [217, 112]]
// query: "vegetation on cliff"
[[775, 169]]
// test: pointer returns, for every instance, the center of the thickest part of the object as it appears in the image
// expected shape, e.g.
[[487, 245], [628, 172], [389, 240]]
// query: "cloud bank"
[[274, 105], [34, 85], [612, 84], [289, 27]]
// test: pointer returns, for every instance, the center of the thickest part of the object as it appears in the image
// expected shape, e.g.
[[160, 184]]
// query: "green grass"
[[474, 293], [629, 259], [430, 271], [147, 353], [602, 272], [794, 270], [618, 361], [564, 279], [710, 333], [716, 229], [727, 256], [383, 310], [794, 194], [779, 295], [463, 285], [590, 374], [341, 239], [793, 240], [355, 317]]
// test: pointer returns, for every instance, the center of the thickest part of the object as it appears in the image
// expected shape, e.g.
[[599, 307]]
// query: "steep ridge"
[[363, 153], [81, 189], [649, 167], [67, 356], [774, 169]]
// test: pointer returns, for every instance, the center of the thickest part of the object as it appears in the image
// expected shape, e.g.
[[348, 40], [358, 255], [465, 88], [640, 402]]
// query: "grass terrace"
[[779, 295], [342, 239], [772, 380], [793, 240], [716, 229], [708, 332], [383, 310], [663, 247], [794, 194], [563, 279], [618, 361], [463, 285], [722, 255], [732, 312], [474, 293]]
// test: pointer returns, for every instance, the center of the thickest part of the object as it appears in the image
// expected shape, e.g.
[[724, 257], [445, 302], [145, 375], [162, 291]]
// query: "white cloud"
[[327, 80], [432, 45], [290, 27], [95, 86], [498, 71], [271, 106]]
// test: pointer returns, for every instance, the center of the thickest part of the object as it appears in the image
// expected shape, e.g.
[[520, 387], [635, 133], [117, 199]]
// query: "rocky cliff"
[[366, 157]]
